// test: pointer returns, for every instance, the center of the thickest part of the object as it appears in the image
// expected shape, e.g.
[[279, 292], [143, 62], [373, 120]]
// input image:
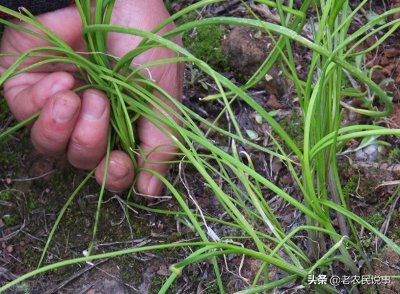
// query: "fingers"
[[80, 127], [89, 138], [27, 93], [66, 23], [120, 171], [51, 132], [155, 158], [66, 123], [158, 148]]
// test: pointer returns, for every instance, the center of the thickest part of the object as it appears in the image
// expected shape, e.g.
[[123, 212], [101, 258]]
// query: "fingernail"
[[155, 186], [116, 171], [93, 106], [64, 109]]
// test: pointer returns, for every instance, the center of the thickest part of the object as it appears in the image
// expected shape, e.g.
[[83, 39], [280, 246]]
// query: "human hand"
[[78, 126]]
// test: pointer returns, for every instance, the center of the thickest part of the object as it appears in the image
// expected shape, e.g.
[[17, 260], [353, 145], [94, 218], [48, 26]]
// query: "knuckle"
[[46, 143], [52, 137], [84, 142]]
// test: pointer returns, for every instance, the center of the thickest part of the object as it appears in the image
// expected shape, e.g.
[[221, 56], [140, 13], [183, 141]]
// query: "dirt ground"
[[33, 188]]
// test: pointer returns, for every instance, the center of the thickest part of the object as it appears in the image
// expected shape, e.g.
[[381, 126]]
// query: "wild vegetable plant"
[[313, 166]]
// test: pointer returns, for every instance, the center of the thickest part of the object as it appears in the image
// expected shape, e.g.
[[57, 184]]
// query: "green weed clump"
[[228, 172], [351, 186], [11, 220], [6, 195], [376, 219], [394, 155], [294, 127], [205, 44]]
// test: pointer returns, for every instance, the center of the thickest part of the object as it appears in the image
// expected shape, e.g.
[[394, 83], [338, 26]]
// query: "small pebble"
[[10, 249], [369, 153]]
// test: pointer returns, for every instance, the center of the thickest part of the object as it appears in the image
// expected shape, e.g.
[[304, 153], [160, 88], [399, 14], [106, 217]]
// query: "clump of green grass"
[[6, 195], [376, 219], [11, 219], [351, 186], [242, 195], [294, 127], [206, 45], [394, 155]]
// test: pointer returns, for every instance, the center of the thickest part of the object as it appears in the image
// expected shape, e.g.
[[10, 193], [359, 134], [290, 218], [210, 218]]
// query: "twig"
[[265, 12], [6, 124], [31, 179], [6, 274], [222, 9], [385, 225], [23, 214], [75, 276]]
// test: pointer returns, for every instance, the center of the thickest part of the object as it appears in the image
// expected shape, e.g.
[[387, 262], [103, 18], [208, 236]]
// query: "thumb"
[[158, 149]]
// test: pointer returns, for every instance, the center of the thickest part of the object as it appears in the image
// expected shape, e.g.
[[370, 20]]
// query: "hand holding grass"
[[78, 125]]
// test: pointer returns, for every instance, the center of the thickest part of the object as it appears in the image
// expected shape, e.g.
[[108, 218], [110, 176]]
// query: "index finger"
[[27, 93]]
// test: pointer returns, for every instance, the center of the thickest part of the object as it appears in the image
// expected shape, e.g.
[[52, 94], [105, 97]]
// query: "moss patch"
[[350, 186], [205, 43], [294, 127], [394, 155]]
